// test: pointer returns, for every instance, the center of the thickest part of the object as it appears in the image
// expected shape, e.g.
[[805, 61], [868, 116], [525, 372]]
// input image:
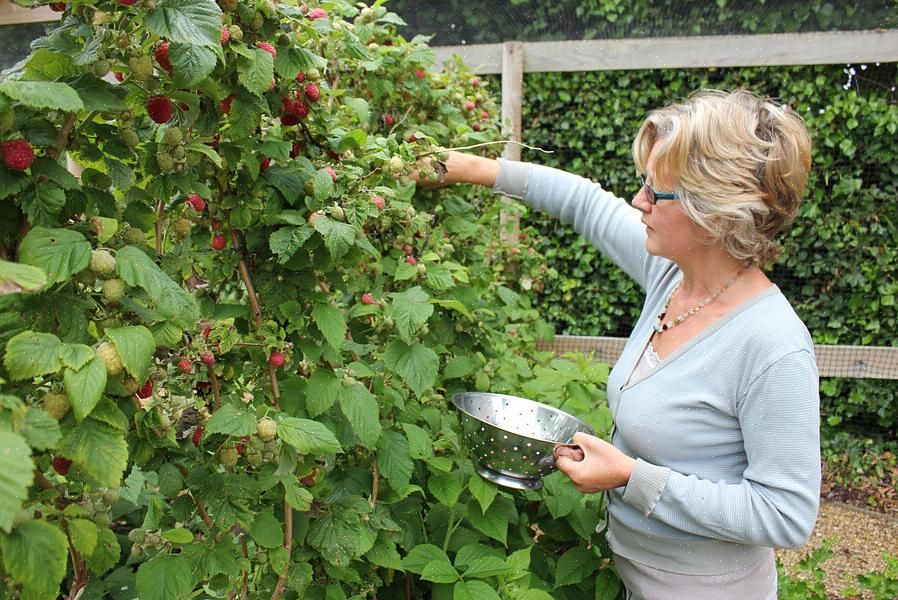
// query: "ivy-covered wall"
[[840, 259]]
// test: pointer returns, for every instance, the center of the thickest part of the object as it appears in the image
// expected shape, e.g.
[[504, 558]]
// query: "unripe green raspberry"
[[114, 290], [110, 497], [165, 161], [137, 536], [56, 405], [154, 540], [228, 456], [7, 120], [111, 358], [134, 237], [181, 229], [254, 459], [102, 519], [257, 22], [129, 138], [228, 5], [173, 136], [236, 33], [141, 67], [313, 75], [267, 429], [178, 153], [396, 164], [102, 262], [130, 386]]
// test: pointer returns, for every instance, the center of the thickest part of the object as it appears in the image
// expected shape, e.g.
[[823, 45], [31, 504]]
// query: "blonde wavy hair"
[[741, 165]]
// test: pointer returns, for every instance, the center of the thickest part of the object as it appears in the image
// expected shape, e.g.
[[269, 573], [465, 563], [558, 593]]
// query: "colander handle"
[[572, 451]]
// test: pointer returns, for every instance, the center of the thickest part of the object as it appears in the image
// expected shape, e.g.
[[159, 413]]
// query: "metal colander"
[[511, 439]]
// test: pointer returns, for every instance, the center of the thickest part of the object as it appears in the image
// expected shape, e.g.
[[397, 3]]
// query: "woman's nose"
[[641, 200]]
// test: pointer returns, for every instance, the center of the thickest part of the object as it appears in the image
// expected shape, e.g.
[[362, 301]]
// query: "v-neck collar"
[[710, 329]]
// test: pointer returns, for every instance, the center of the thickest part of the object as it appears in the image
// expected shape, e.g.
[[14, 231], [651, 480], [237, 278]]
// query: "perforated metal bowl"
[[511, 439]]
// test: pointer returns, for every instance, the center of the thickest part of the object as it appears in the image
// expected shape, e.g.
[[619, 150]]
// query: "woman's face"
[[669, 231]]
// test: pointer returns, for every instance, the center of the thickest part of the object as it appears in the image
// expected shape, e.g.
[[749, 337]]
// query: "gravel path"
[[862, 536]]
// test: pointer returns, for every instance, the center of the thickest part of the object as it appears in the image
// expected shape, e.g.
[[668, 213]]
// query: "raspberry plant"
[[228, 344]]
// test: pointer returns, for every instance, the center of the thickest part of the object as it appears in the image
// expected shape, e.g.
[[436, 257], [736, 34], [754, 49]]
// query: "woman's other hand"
[[601, 466]]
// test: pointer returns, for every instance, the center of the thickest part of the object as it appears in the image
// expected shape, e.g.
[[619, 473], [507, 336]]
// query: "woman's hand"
[[459, 168], [597, 465]]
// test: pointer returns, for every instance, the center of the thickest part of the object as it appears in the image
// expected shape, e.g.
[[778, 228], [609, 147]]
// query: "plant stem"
[[449, 528], [244, 590], [62, 139], [288, 546], [213, 379], [160, 208], [376, 480], [441, 150]]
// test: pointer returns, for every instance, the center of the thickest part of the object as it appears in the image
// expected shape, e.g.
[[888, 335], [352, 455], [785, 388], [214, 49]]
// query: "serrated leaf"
[[484, 491], [409, 310], [309, 437], [12, 183], [439, 571], [473, 590], [405, 271], [494, 521], [289, 183], [322, 392], [75, 356], [178, 535], [394, 460], [338, 237], [454, 305], [98, 450], [40, 430], [255, 71], [208, 152], [293, 59], [246, 110], [43, 94], [16, 277], [336, 536], [331, 323], [106, 554], [191, 63], [187, 21], [232, 420], [55, 172], [267, 531], [361, 410], [43, 203], [445, 487], [416, 364], [16, 475], [486, 566], [296, 495], [30, 354], [99, 95], [287, 240], [574, 566], [60, 253], [165, 577], [172, 301], [359, 106], [35, 555], [107, 411], [422, 554], [384, 554], [84, 535], [459, 366], [136, 346]]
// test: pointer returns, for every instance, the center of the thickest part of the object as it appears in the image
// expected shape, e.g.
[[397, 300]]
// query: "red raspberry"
[[412, 138], [388, 119], [411, 260], [219, 242], [331, 173], [276, 359], [476, 127], [197, 436], [420, 73], [147, 390], [317, 13], [312, 92], [296, 151], [379, 202], [407, 249], [118, 76], [267, 48], [368, 299], [241, 448], [225, 35], [206, 331], [196, 202], [160, 109], [476, 82], [469, 105], [225, 104], [185, 366], [57, 6], [300, 109], [17, 154], [127, 2], [485, 115], [208, 358], [61, 465], [301, 77], [162, 56], [263, 166]]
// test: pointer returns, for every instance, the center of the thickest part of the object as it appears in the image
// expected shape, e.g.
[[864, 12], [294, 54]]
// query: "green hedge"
[[840, 260]]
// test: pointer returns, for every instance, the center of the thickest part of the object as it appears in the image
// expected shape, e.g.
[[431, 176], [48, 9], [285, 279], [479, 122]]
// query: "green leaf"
[[494, 521], [85, 386], [383, 553], [296, 495], [393, 459], [98, 95], [439, 278], [454, 305], [107, 411], [84, 535], [445, 487], [416, 364], [331, 322], [607, 584], [40, 430], [459, 366], [486, 566], [266, 530], [439, 571], [322, 391], [165, 577], [12, 183], [75, 356], [208, 152], [338, 237], [60, 253], [231, 419], [178, 535], [255, 71], [43, 94], [16, 277], [245, 113], [30, 354], [35, 555], [574, 566], [473, 590], [405, 271], [336, 536], [106, 554], [409, 310], [421, 555], [293, 59], [361, 410], [324, 189], [419, 441], [16, 475], [484, 491], [136, 346], [98, 450], [43, 204], [187, 21], [172, 301], [287, 240], [359, 107], [55, 172], [309, 437], [191, 63]]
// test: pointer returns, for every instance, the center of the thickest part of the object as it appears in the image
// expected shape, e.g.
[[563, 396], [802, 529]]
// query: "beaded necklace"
[[660, 326]]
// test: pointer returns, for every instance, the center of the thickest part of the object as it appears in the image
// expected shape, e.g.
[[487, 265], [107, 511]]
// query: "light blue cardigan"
[[725, 431]]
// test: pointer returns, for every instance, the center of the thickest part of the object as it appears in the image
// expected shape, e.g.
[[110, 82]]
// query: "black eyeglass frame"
[[654, 196]]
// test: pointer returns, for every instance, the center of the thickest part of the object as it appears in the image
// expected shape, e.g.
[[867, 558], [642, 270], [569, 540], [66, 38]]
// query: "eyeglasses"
[[654, 196]]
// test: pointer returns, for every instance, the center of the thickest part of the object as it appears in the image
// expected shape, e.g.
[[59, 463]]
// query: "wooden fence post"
[[512, 97]]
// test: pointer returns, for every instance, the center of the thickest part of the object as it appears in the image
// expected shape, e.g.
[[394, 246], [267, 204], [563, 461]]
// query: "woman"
[[715, 455]]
